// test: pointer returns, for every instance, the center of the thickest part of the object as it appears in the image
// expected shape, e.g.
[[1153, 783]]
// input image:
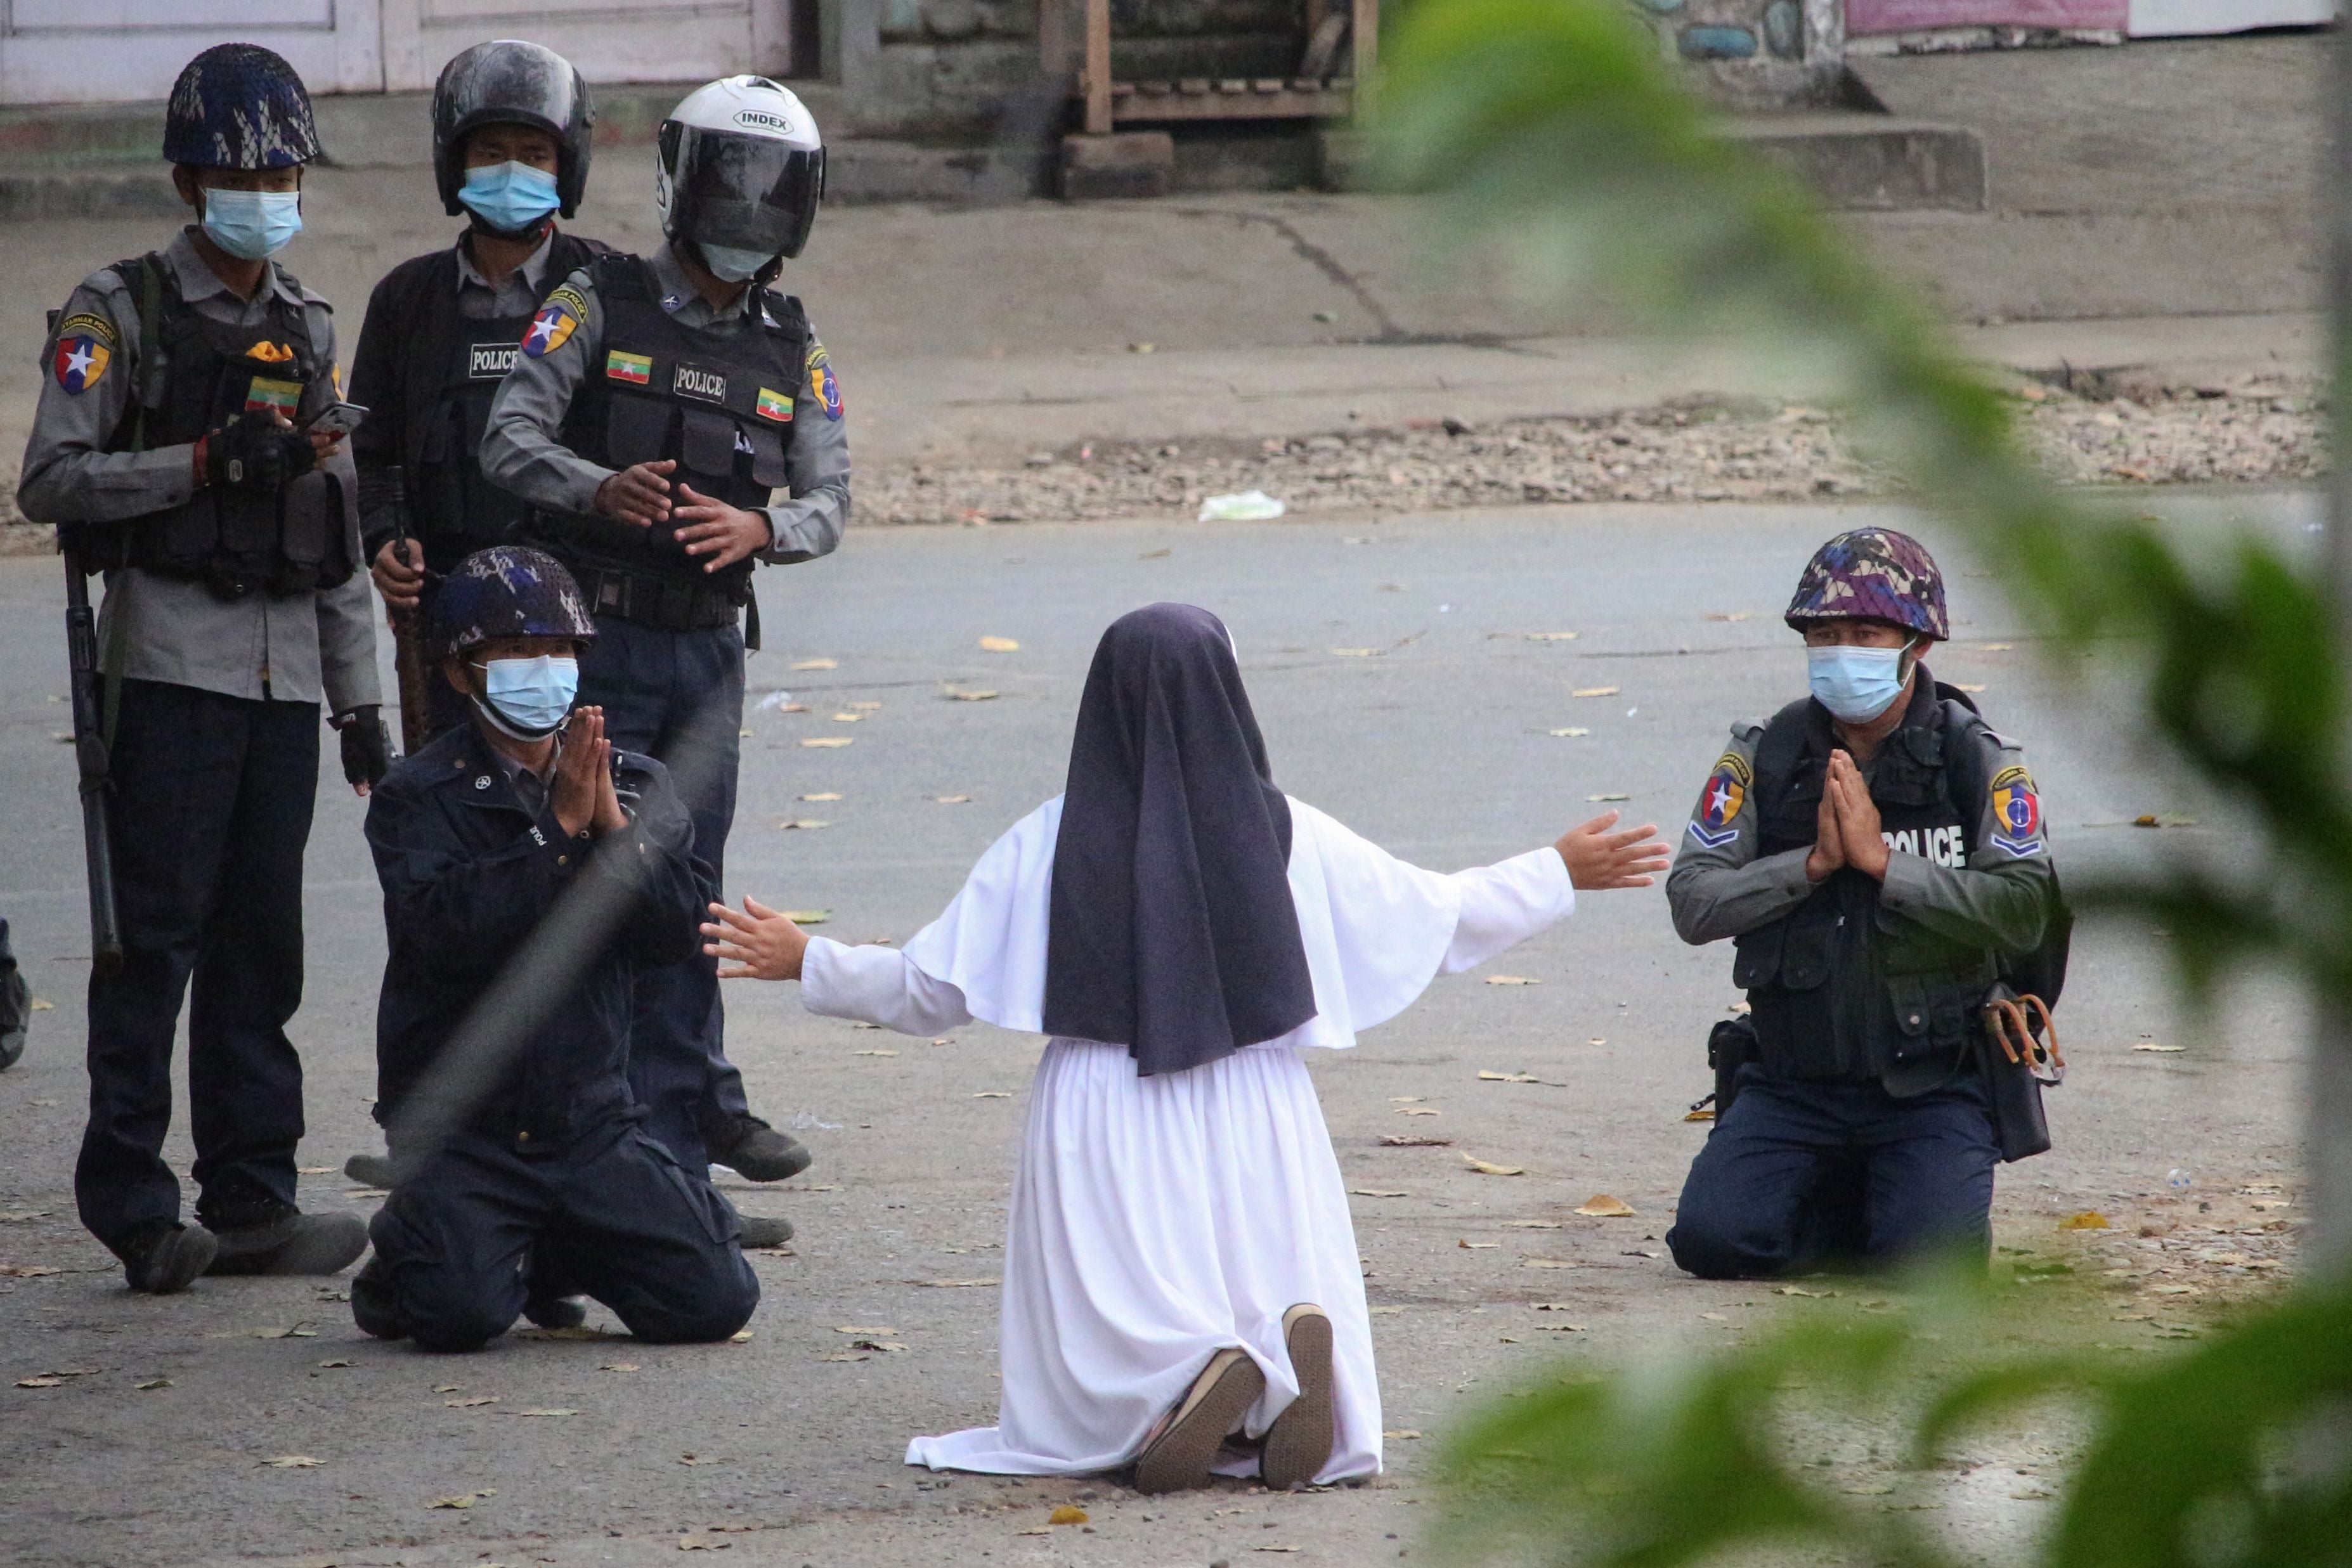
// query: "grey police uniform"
[[1865, 1124], [667, 663], [214, 765]]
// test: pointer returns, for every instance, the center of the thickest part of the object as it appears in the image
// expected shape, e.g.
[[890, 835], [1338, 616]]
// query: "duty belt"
[[661, 601]]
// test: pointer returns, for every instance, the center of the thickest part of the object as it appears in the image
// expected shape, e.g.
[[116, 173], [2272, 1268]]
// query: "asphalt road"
[[1439, 743]]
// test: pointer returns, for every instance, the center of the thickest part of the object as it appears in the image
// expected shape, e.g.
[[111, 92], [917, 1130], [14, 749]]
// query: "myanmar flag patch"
[[775, 405], [637, 370], [263, 394]]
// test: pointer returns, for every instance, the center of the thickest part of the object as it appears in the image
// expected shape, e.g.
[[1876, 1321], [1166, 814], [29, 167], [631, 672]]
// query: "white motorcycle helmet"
[[742, 170]]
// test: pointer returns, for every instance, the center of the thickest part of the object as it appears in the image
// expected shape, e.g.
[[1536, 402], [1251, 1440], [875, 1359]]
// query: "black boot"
[[164, 1257], [279, 1239], [16, 1013], [756, 1152], [548, 1301], [760, 1230]]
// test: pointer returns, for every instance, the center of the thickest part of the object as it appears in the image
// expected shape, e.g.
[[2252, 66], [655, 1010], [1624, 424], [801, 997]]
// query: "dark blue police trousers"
[[210, 815], [459, 1244], [1802, 1173], [678, 696]]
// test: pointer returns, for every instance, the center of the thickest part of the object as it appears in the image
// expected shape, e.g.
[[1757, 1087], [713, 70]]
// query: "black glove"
[[254, 452], [367, 745]]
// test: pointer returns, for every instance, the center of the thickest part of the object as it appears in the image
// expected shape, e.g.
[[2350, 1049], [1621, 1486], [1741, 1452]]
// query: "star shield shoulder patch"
[[560, 315], [2016, 813], [1716, 822], [824, 384], [86, 346]]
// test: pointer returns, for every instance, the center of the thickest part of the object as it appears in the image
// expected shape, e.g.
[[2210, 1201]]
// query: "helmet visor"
[[747, 192], [507, 83]]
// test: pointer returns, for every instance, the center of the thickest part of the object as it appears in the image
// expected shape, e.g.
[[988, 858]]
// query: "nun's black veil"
[[1172, 931]]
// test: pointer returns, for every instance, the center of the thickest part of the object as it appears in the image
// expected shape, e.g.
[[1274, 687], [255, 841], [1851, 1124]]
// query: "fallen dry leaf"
[[555, 1410], [42, 1380], [620, 1366], [849, 718], [1550, 637], [1068, 1513], [1377, 1192], [740, 1336], [952, 799], [1532, 1224], [299, 1170], [293, 1462], [2160, 1050], [793, 824], [1509, 1077], [823, 795], [1041, 1530], [42, 1004], [448, 1388], [959, 1284], [477, 1401], [1554, 1307], [1414, 1141], [1416, 1110], [1404, 1434], [299, 1330], [888, 1347], [1600, 1206], [1512, 980], [702, 1543], [846, 1356], [1801, 1291], [1000, 646], [2089, 1219], [152, 1383], [1547, 1263], [954, 694], [1486, 1169], [828, 742], [1591, 798], [1595, 692], [701, 1459], [873, 1053], [863, 1328], [993, 1095], [1569, 732], [332, 1366], [817, 664], [1477, 1245], [27, 1271]]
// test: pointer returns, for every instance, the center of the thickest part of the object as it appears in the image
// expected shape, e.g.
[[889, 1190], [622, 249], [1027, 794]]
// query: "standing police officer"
[[658, 402], [1875, 852], [512, 133], [166, 453]]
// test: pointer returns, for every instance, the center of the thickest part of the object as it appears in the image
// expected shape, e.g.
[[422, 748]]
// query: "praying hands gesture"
[[1597, 858], [1845, 829], [583, 794], [761, 943]]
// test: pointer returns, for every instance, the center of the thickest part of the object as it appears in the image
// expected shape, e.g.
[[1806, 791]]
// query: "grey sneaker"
[[164, 1258], [370, 1170], [282, 1239], [762, 1230], [756, 1152]]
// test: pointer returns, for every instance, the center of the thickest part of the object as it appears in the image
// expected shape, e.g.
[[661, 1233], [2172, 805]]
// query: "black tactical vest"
[[1839, 989], [450, 372], [293, 541], [721, 407]]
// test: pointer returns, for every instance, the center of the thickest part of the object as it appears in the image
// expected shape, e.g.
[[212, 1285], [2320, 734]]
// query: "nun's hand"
[[1598, 858], [761, 944]]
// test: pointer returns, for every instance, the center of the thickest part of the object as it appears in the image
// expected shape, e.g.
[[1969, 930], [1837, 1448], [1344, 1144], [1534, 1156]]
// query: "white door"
[[609, 40], [90, 51]]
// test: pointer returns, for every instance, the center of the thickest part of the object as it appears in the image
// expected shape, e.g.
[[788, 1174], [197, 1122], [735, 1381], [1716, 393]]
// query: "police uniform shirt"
[[306, 648], [1996, 896], [522, 452]]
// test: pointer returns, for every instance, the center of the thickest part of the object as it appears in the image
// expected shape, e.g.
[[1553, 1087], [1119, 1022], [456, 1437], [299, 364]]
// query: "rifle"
[[409, 664], [91, 756]]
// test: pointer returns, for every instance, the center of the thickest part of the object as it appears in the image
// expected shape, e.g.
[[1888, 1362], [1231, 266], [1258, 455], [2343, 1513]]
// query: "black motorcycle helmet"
[[510, 82]]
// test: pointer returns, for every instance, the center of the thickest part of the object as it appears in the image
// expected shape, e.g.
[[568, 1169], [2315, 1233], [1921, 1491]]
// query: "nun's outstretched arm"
[[878, 985], [1504, 903]]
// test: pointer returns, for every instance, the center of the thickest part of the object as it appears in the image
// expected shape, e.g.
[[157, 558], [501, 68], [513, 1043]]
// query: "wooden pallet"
[[1315, 92]]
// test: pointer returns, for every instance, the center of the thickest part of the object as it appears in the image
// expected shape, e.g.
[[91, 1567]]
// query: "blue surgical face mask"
[[528, 698], [1856, 684], [511, 198], [733, 264], [254, 224]]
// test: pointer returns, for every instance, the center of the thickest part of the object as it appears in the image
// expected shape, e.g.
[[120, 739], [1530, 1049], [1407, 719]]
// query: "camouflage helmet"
[[239, 106], [1873, 574], [507, 592]]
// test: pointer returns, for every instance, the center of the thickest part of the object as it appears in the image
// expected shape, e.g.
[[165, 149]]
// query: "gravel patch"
[[2250, 432]]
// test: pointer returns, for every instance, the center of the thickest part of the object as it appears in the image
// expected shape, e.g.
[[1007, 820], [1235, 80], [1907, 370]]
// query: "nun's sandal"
[[1177, 1457], [1299, 1444]]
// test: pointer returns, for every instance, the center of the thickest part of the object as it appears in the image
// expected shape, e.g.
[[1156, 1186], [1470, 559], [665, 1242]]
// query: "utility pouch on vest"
[[1730, 1046], [2019, 1048]]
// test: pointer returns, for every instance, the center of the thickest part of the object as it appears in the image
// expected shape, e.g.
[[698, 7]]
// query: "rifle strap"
[[150, 313]]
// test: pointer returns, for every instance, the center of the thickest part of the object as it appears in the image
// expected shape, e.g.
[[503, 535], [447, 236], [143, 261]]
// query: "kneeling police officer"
[[536, 1181], [166, 453], [1876, 854]]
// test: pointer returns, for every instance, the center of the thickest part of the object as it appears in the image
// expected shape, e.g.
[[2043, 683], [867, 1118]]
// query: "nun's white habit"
[[1158, 1219]]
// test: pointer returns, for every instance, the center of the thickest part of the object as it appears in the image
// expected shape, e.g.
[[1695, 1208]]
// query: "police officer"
[[541, 1183], [658, 402], [16, 1004], [512, 133], [1876, 853], [167, 452]]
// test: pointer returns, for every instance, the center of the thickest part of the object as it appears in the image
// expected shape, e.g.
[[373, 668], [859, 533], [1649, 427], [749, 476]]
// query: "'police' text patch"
[[491, 362], [694, 382]]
